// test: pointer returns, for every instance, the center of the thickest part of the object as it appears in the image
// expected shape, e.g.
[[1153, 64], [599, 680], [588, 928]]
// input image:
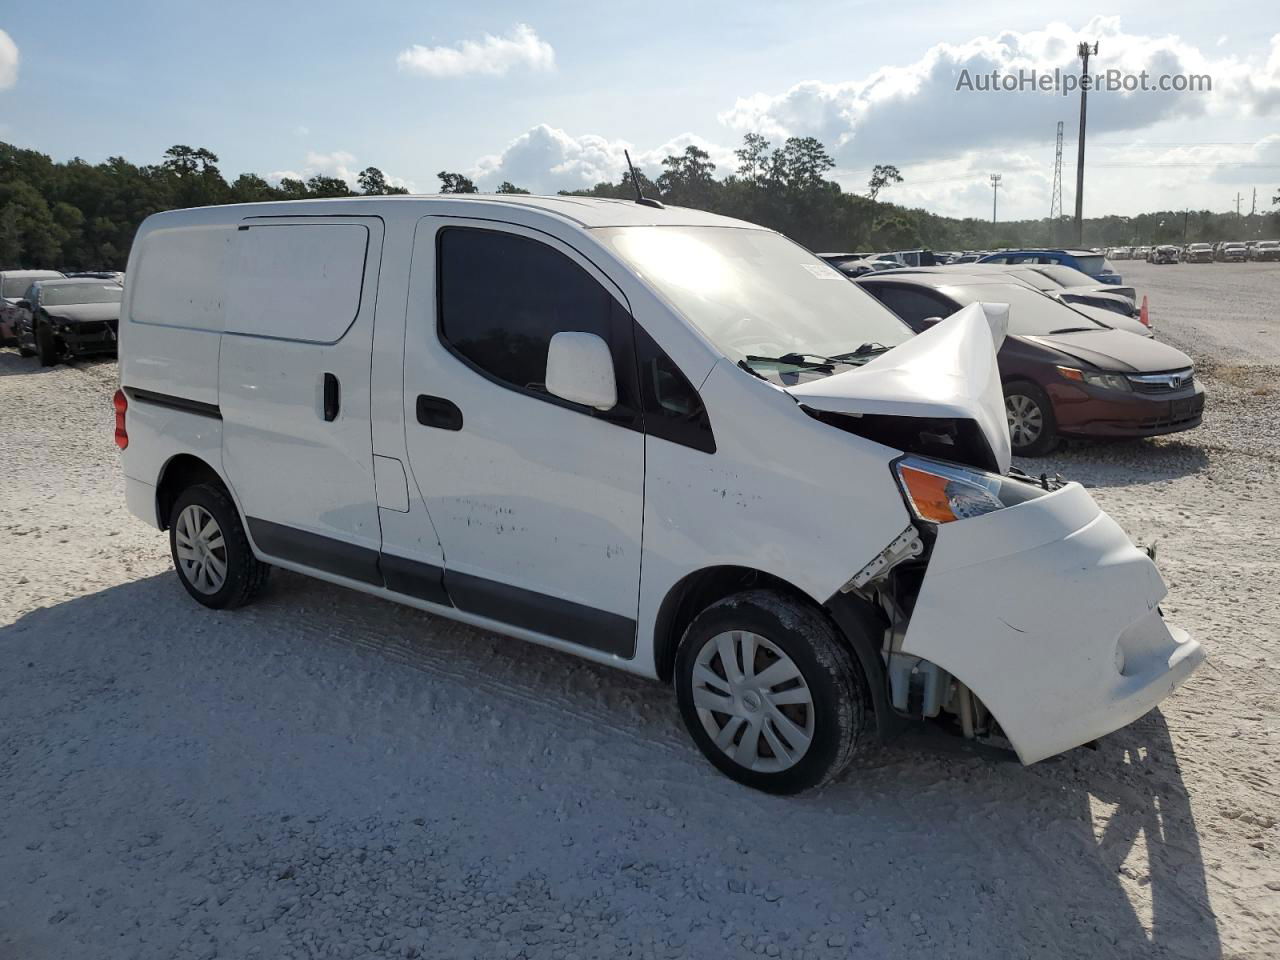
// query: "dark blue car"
[[1095, 265]]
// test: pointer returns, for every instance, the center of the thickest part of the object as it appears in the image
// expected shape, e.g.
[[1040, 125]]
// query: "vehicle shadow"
[[1121, 463], [328, 703], [14, 365]]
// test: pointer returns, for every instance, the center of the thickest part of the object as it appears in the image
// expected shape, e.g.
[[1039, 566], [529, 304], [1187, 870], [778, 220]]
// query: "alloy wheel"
[[753, 702], [202, 550], [1026, 419]]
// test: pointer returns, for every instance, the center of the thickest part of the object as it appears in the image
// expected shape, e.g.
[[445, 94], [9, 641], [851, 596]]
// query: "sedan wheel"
[[1026, 420], [1033, 431]]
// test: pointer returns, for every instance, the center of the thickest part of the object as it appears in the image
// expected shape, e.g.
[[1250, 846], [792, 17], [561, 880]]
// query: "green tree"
[[455, 183], [753, 158], [882, 175], [506, 186], [322, 186]]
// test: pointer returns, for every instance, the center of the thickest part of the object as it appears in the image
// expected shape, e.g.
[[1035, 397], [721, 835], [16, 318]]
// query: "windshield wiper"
[[871, 349], [799, 360]]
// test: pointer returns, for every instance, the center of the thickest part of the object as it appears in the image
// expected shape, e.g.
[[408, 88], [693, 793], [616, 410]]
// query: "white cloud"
[[8, 61], [340, 164], [546, 159], [492, 56], [914, 112]]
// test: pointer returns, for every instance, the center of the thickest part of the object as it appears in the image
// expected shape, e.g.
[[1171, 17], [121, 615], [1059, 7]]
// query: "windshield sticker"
[[822, 272]]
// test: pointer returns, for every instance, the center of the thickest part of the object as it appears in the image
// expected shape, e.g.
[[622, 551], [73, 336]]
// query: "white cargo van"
[[664, 440]]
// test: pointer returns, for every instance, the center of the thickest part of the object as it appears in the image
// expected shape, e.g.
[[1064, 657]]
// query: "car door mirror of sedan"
[[580, 370]]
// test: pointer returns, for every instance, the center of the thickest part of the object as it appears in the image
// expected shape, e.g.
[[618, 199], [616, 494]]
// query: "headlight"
[[939, 492], [1108, 381]]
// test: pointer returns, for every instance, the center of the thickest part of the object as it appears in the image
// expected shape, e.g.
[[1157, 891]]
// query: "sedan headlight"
[[939, 492], [1108, 381]]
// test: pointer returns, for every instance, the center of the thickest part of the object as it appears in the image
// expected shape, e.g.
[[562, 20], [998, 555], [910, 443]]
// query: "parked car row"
[[1224, 251], [53, 316]]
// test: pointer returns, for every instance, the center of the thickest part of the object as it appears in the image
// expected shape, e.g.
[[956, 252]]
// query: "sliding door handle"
[[332, 397], [439, 413]]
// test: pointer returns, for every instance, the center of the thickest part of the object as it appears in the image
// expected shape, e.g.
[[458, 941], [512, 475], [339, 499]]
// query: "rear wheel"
[[1033, 431], [211, 552], [46, 346], [769, 693]]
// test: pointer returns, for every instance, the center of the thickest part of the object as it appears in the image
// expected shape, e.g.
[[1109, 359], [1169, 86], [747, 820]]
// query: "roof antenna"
[[635, 182]]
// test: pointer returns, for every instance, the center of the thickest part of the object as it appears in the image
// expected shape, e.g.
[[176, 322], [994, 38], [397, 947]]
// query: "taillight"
[[1143, 317], [121, 403]]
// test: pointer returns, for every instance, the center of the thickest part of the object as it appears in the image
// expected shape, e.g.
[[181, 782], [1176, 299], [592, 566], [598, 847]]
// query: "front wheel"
[[1033, 431], [769, 693], [46, 346], [211, 552]]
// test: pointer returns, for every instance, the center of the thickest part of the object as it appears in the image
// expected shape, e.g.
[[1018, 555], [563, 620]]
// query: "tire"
[[26, 352], [46, 346], [225, 573], [785, 635], [1033, 430]]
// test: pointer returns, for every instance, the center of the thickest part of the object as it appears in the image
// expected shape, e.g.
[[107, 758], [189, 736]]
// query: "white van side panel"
[[297, 475], [737, 507], [173, 310]]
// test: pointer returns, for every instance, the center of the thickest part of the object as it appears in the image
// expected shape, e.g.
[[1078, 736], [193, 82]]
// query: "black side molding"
[[574, 622], [313, 550], [414, 578], [184, 404]]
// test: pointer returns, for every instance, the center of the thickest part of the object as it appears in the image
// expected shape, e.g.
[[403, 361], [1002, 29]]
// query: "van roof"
[[587, 212]]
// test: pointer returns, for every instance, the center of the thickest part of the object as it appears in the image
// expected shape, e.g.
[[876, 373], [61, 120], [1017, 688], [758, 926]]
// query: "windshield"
[[754, 292], [1031, 314], [15, 287], [65, 294]]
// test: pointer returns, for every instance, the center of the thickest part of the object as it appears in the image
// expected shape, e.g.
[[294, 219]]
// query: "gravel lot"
[[328, 775]]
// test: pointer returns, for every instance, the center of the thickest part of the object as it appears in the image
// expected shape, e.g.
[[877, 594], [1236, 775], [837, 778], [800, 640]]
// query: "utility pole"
[[1238, 199], [1254, 208], [995, 190], [1084, 51], [1055, 199], [1185, 214]]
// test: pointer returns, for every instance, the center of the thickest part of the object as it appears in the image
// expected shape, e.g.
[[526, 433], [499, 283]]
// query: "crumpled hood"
[[84, 312], [948, 371], [1116, 350]]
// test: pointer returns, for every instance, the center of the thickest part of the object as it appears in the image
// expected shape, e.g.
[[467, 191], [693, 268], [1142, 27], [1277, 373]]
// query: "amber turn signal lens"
[[928, 493]]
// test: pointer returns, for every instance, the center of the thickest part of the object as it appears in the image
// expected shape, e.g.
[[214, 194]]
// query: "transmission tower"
[[1055, 202]]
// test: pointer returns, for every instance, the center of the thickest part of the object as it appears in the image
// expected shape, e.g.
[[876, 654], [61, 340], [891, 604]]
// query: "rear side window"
[[502, 297], [296, 281], [912, 305]]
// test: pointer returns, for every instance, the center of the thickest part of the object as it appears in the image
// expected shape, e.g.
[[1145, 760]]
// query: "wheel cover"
[[753, 701], [202, 550], [1026, 419]]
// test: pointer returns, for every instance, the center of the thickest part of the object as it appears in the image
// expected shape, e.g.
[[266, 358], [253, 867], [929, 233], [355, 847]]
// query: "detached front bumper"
[[1049, 614]]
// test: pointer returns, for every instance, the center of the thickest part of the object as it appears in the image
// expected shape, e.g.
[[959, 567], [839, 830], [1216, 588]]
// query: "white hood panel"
[[948, 370]]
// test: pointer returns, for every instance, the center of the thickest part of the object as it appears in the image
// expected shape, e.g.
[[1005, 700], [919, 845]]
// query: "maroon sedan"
[[1065, 374]]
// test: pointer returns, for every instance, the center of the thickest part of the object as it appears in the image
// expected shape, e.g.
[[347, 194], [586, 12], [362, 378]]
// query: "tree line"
[[78, 215]]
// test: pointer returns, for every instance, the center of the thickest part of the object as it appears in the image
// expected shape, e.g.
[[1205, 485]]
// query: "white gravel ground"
[[328, 775]]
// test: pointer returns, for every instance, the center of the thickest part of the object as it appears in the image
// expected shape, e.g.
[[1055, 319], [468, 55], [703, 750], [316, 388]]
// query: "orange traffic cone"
[[1143, 317]]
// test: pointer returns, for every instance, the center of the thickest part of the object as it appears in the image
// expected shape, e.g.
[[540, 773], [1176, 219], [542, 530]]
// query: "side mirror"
[[580, 370]]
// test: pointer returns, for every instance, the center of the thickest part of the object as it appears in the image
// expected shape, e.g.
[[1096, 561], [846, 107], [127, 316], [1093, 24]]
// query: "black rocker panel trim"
[[564, 619], [313, 550]]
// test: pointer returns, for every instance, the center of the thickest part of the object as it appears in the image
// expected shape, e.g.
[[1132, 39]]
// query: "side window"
[[913, 306], [672, 408], [502, 297]]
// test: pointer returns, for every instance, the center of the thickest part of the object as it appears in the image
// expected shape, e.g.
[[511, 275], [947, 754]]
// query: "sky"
[[548, 95]]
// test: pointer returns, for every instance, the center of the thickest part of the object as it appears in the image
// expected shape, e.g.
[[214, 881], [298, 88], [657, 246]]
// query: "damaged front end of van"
[[1016, 607]]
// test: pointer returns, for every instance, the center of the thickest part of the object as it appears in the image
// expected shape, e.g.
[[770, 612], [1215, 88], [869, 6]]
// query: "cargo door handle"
[[439, 412], [332, 397]]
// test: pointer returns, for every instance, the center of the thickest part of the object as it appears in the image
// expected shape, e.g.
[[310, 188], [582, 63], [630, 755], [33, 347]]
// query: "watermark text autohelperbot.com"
[[1056, 81]]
